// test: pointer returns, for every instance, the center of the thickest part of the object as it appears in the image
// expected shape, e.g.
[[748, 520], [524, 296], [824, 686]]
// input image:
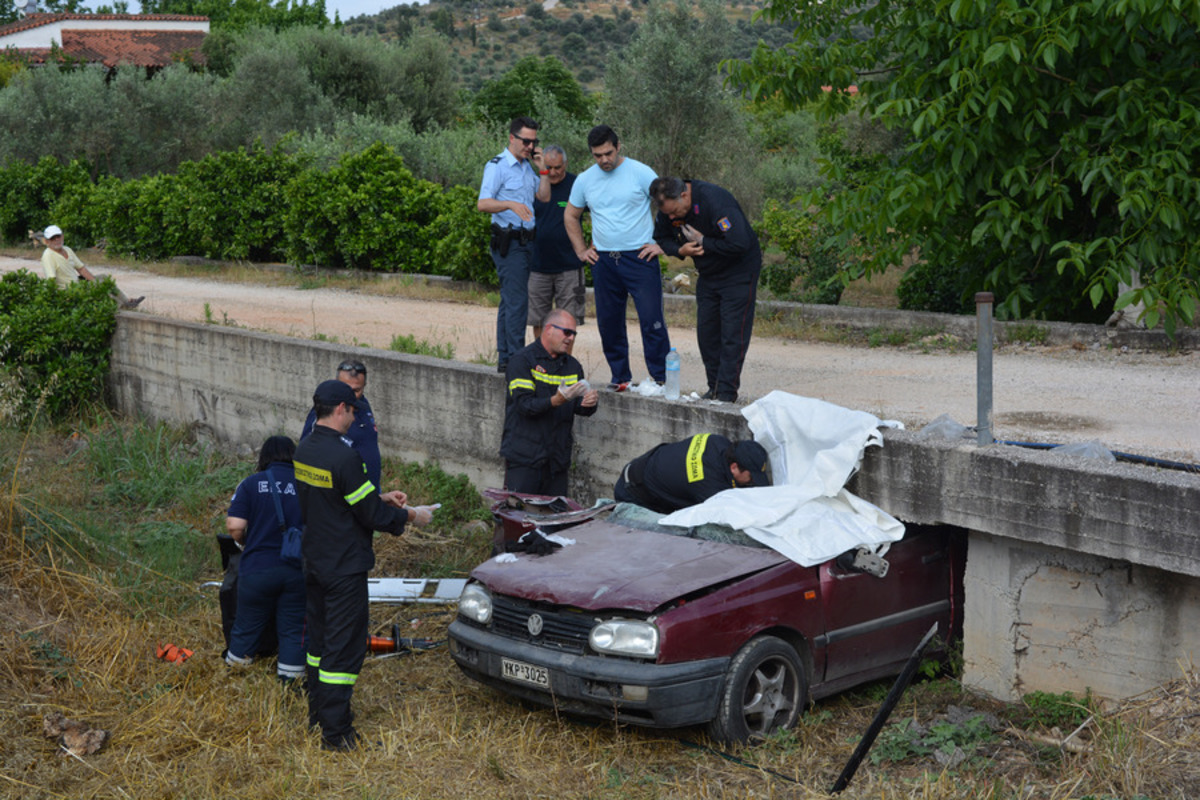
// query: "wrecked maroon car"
[[670, 627]]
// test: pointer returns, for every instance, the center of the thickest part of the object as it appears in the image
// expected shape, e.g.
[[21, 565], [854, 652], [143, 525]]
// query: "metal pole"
[[983, 367]]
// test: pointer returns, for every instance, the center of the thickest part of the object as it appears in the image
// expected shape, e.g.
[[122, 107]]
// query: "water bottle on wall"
[[671, 390]]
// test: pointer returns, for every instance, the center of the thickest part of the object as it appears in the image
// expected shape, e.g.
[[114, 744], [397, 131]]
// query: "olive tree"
[[1050, 144]]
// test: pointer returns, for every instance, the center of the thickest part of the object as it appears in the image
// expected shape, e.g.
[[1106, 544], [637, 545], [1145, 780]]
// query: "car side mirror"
[[862, 560]]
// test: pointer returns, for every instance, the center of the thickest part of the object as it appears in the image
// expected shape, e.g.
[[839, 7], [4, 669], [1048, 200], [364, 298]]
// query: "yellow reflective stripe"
[[519, 383], [313, 476], [695, 458], [556, 380], [313, 661], [337, 678], [360, 493]]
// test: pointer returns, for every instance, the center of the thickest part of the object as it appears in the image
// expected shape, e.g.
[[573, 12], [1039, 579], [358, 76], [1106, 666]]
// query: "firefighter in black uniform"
[[546, 391], [676, 475], [705, 222], [342, 509]]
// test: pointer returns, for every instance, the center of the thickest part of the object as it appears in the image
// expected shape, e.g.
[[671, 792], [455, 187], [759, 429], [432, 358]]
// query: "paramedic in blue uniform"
[[676, 475], [704, 222], [341, 508], [511, 182], [267, 588], [363, 433]]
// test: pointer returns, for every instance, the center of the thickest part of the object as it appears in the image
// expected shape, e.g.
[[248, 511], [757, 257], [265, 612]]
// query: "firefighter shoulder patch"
[[724, 224]]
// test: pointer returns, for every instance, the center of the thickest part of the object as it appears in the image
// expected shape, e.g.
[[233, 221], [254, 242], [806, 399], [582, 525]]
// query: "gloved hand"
[[576, 389], [691, 234], [533, 543]]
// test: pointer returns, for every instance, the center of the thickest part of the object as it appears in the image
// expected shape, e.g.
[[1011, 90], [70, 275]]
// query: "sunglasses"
[[566, 331], [527, 142], [353, 367]]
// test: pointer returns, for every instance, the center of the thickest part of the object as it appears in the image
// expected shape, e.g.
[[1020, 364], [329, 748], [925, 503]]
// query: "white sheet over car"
[[807, 515]]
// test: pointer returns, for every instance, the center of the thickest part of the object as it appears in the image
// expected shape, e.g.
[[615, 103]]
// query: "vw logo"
[[534, 624]]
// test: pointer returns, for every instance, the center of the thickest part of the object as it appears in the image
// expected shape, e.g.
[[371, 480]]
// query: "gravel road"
[[1146, 403]]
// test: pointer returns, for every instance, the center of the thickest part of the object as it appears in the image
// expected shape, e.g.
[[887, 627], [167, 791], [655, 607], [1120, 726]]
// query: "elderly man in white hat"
[[62, 266]]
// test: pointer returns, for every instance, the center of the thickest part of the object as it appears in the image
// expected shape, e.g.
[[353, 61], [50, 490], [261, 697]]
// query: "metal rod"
[[983, 367]]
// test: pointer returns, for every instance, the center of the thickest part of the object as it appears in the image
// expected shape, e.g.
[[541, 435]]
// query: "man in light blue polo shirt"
[[623, 254], [510, 183]]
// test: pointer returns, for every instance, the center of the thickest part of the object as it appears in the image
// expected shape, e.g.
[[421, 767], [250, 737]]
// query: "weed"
[[307, 282], [1028, 333], [1064, 711], [910, 738], [321, 337], [882, 336], [208, 315], [420, 347], [49, 655]]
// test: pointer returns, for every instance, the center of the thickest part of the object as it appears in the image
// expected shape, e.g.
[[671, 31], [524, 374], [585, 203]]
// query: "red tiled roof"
[[37, 20], [141, 48]]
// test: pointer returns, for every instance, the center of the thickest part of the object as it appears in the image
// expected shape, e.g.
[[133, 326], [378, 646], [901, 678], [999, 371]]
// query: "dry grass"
[[73, 641]]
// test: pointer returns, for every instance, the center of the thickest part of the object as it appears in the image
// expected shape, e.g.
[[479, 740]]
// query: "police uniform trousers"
[[724, 323], [337, 610]]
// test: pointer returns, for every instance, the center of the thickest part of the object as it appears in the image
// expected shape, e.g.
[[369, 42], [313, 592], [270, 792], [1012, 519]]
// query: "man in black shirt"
[[556, 278], [341, 509], [704, 222], [676, 475]]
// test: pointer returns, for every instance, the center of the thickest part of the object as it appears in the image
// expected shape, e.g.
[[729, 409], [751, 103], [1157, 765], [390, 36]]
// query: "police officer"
[[341, 509], [363, 432], [510, 183], [676, 475], [703, 221]]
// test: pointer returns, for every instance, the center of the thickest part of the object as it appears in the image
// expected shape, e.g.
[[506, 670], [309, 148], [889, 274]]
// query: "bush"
[[461, 236], [54, 344], [935, 286], [368, 212], [809, 271], [30, 191]]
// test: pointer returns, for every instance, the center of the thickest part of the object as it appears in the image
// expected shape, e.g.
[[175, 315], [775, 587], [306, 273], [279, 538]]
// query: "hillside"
[[489, 36]]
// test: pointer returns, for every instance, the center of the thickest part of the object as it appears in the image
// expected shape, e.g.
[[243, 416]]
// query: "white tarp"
[[807, 515]]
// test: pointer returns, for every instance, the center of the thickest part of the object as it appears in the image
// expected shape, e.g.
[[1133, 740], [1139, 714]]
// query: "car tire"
[[766, 688]]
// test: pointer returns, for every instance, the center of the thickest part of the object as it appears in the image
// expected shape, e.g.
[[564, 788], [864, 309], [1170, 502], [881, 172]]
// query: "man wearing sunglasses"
[[511, 182], [546, 391], [363, 434]]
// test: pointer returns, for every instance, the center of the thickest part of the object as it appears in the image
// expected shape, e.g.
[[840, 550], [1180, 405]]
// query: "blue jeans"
[[615, 277], [513, 270], [273, 592]]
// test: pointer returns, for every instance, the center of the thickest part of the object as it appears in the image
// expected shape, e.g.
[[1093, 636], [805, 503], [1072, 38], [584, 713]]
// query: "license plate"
[[525, 673]]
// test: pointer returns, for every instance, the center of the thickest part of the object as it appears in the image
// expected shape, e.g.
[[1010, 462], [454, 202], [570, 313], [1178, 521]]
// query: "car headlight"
[[475, 603], [625, 637]]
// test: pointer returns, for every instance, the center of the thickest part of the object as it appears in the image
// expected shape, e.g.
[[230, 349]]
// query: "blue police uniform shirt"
[[252, 502], [507, 179]]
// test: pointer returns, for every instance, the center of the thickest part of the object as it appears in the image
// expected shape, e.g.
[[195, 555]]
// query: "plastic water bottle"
[[671, 390]]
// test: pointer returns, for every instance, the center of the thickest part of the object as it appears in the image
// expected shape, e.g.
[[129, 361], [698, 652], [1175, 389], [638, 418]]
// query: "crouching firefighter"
[[341, 509]]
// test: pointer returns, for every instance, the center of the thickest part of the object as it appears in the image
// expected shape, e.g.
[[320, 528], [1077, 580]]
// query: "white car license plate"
[[525, 673]]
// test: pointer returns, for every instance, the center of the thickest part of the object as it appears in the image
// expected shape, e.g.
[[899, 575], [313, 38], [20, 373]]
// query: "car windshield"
[[635, 516]]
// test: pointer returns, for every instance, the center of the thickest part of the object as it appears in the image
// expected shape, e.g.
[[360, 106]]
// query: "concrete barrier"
[[1079, 574]]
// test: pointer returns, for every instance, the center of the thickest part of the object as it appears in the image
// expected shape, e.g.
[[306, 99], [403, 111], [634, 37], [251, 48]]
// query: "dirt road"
[[1143, 403]]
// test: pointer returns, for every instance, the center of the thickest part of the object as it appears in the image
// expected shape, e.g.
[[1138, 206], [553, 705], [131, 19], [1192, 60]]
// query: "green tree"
[[242, 14], [511, 95], [666, 101], [1051, 142]]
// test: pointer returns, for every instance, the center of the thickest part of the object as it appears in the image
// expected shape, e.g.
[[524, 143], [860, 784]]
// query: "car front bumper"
[[655, 695]]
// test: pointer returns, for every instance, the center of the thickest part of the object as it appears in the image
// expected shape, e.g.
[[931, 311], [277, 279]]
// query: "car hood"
[[614, 566]]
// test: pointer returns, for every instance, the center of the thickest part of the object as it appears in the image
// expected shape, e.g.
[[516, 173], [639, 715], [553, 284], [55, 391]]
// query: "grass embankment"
[[106, 535]]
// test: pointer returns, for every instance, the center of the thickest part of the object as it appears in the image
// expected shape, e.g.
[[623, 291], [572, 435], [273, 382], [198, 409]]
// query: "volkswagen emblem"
[[534, 624]]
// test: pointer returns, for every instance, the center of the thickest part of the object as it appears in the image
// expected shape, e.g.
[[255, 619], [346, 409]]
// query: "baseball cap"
[[751, 456], [332, 393], [52, 231]]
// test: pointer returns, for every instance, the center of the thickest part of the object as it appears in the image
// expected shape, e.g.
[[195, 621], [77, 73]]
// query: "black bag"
[[289, 553]]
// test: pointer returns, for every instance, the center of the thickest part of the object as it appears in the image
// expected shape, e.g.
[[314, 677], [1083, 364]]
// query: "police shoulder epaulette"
[[495, 160]]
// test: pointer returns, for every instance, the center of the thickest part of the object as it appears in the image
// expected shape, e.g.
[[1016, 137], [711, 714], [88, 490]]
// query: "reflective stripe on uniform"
[[556, 380], [313, 661], [313, 476], [519, 383], [695, 458], [337, 678], [359, 493]]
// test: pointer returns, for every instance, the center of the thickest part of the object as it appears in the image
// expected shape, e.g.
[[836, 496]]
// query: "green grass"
[[408, 343]]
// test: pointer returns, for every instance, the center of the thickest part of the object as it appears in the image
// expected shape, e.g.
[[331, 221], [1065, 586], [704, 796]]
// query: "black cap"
[[332, 393], [752, 457]]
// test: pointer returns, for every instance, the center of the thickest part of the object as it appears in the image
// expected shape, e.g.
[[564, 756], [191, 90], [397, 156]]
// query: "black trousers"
[[535, 480], [724, 323], [337, 644]]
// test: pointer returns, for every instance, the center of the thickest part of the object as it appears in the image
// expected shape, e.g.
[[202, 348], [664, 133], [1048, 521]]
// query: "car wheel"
[[766, 688]]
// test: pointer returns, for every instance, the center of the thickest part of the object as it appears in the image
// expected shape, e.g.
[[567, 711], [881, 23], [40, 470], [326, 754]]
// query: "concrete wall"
[[1079, 573]]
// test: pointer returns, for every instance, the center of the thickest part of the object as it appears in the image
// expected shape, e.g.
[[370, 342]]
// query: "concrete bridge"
[[1080, 574]]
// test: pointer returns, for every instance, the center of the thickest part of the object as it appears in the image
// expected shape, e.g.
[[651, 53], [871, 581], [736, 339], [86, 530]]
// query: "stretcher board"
[[414, 590]]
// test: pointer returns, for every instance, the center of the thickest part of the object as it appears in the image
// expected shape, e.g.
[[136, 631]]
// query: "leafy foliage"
[[240, 14], [31, 190], [1054, 139], [809, 271], [54, 344], [510, 95]]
